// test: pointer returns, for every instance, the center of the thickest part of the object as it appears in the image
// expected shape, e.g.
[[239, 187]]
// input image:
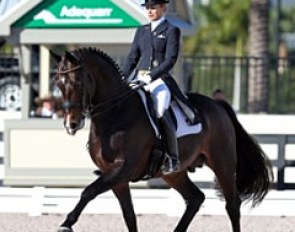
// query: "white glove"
[[136, 83], [146, 78]]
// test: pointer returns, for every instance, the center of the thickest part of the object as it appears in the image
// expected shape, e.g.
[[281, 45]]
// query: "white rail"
[[1, 161], [39, 200], [4, 115]]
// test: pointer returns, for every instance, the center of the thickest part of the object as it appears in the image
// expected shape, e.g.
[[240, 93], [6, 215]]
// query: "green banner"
[[77, 14]]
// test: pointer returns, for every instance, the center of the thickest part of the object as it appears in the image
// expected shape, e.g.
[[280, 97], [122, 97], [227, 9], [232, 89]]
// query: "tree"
[[258, 51], [222, 28]]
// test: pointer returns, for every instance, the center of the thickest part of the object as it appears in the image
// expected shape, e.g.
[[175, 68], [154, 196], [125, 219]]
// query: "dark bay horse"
[[121, 141]]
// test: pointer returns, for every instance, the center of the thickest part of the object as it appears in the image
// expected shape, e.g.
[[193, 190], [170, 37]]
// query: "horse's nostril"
[[73, 125]]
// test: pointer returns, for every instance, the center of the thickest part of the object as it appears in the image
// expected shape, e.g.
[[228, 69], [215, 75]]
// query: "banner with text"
[[77, 14]]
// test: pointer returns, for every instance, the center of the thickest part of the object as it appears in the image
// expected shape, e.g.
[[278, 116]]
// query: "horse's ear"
[[55, 57], [71, 57]]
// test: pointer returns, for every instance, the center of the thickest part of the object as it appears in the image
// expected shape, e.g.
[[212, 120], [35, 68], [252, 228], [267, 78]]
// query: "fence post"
[[237, 84], [281, 162], [37, 201]]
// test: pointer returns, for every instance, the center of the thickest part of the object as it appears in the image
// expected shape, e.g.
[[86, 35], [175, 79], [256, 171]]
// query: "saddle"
[[184, 104], [181, 122]]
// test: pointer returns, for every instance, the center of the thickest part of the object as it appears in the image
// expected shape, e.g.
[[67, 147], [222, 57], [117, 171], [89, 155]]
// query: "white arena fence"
[[279, 146], [1, 159], [40, 200], [1, 152], [4, 115]]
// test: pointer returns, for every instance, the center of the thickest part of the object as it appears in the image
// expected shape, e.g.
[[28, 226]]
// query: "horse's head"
[[69, 79], [91, 84]]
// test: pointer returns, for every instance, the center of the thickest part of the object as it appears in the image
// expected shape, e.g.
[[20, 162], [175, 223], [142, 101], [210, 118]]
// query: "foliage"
[[223, 28], [287, 23], [6, 49]]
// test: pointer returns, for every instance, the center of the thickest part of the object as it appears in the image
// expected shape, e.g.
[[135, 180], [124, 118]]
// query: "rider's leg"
[[183, 102], [170, 165], [162, 99]]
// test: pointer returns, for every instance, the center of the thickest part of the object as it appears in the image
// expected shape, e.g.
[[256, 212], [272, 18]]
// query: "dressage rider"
[[153, 54]]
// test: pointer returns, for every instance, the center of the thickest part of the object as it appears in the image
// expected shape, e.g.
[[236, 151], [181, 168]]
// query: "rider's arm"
[[133, 56], [172, 49]]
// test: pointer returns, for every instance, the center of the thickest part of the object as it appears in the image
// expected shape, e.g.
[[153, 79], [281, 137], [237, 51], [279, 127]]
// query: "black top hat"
[[154, 2]]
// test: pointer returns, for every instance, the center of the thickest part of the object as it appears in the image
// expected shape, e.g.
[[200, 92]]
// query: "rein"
[[101, 107], [105, 106]]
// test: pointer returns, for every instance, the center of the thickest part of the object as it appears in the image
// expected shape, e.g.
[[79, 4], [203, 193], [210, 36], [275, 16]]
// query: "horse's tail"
[[254, 170]]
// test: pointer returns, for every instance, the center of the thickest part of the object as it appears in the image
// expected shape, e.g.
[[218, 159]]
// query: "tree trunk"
[[258, 51]]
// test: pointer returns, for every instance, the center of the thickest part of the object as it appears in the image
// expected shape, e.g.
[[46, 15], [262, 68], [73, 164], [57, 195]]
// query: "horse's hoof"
[[64, 229]]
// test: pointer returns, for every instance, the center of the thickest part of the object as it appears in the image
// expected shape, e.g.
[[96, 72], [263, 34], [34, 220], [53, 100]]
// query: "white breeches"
[[160, 93]]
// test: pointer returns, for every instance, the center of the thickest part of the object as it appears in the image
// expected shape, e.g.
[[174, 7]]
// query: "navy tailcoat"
[[156, 51]]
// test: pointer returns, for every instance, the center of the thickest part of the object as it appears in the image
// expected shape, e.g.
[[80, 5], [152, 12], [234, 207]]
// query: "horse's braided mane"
[[97, 51]]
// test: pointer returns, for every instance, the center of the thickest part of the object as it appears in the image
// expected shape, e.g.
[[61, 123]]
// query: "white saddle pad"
[[182, 127]]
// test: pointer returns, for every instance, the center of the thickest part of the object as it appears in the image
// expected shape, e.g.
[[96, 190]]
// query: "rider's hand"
[[147, 78], [135, 83]]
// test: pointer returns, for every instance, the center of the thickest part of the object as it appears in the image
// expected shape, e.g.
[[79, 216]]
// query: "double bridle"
[[69, 70], [74, 104], [89, 110]]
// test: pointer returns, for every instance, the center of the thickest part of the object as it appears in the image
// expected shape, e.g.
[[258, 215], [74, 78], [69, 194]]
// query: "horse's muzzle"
[[73, 126]]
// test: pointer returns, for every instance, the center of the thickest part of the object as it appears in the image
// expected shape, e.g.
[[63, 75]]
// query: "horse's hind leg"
[[233, 201], [191, 194], [227, 181], [122, 193]]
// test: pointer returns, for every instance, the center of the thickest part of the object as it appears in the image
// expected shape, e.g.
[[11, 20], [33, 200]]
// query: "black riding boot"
[[171, 162]]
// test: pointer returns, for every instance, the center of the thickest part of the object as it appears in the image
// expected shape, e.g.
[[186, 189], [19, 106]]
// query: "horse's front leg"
[[102, 184], [122, 193]]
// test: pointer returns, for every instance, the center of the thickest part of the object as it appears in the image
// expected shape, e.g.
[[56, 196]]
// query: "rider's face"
[[154, 12]]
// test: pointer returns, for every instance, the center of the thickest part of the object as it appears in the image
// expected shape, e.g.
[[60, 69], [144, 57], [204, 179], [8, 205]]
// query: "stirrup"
[[170, 165]]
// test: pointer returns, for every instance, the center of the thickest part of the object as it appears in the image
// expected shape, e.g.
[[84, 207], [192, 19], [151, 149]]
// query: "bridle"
[[89, 110], [69, 70], [74, 104]]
